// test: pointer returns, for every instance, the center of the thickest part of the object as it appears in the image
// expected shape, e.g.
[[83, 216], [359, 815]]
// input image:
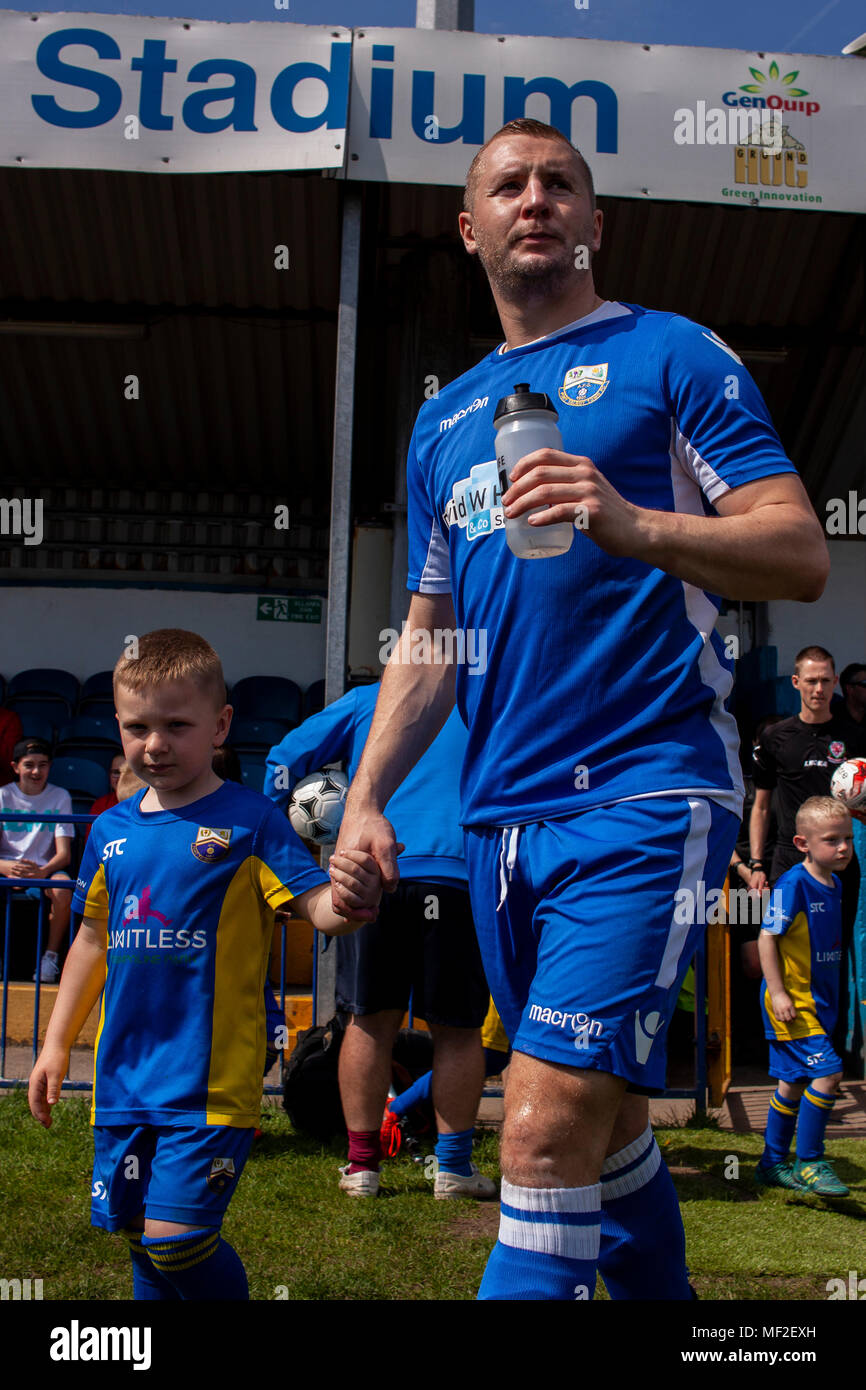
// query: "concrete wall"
[[82, 630], [837, 621]]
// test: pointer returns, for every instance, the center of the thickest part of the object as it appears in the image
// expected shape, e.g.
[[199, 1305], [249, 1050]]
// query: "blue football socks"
[[200, 1265], [815, 1111], [148, 1285], [454, 1152], [643, 1245], [781, 1123], [548, 1244]]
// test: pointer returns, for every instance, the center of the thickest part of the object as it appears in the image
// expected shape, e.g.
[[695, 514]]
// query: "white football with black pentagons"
[[317, 804], [848, 783]]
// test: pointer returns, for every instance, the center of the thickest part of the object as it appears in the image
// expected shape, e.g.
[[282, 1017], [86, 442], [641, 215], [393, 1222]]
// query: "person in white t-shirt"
[[34, 849]]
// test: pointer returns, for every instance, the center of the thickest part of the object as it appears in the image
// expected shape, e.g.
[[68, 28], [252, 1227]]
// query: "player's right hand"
[[371, 832], [44, 1090]]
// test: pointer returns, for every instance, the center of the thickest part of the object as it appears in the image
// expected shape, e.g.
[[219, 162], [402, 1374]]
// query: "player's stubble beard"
[[524, 281]]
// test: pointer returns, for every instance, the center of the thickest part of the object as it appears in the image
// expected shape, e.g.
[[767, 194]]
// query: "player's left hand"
[[572, 489]]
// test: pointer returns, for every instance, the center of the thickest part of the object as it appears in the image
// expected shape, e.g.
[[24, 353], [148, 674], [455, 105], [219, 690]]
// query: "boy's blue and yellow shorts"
[[803, 1059], [186, 1174]]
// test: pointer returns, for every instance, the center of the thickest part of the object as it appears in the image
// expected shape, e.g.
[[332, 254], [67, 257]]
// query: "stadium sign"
[[92, 91], [424, 101], [128, 92]]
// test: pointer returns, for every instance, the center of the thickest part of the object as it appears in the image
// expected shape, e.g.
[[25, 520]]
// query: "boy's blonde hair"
[[818, 810], [172, 654]]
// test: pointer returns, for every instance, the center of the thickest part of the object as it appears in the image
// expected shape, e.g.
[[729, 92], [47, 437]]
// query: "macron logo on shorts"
[[645, 1034], [560, 1018]]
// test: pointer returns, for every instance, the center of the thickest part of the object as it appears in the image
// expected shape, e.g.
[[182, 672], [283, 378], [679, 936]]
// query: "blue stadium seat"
[[89, 728], [257, 735], [314, 698], [52, 712], [96, 691], [34, 727], [47, 681], [80, 777], [253, 772], [100, 753], [268, 697]]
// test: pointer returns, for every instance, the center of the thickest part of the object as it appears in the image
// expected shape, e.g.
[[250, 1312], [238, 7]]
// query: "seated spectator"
[[128, 783], [104, 803], [226, 764], [31, 849], [10, 734]]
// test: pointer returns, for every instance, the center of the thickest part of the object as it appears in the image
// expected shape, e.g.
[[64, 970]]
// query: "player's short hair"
[[172, 654], [812, 654], [31, 745], [525, 125], [851, 671], [818, 810]]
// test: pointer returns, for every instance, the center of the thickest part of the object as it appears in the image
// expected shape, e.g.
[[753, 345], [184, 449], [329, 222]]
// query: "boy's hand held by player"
[[783, 1007], [572, 489], [372, 834], [357, 876]]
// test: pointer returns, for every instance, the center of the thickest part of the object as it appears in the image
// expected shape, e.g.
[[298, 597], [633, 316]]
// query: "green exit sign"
[[289, 610]]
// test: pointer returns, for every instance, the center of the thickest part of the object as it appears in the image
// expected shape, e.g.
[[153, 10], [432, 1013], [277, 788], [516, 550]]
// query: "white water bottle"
[[524, 422]]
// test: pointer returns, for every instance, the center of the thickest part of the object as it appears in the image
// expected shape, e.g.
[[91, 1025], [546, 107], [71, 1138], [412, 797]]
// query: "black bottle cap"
[[523, 399]]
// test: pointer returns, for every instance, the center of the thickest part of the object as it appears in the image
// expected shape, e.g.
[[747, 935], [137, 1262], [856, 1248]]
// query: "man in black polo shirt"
[[798, 756]]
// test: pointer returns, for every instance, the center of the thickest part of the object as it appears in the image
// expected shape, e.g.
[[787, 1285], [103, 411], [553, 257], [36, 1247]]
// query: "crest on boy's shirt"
[[836, 751], [211, 845], [222, 1171]]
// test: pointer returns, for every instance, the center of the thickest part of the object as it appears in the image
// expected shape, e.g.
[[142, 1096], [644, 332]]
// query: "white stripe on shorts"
[[694, 864]]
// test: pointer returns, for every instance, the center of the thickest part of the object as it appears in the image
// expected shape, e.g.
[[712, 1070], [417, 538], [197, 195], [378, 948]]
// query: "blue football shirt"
[[188, 898], [806, 916], [603, 678], [424, 809]]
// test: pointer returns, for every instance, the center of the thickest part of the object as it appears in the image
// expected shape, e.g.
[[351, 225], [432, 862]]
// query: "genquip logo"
[[772, 91]]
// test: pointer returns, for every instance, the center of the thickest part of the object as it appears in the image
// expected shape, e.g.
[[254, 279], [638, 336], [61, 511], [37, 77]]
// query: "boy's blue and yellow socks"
[[196, 1265]]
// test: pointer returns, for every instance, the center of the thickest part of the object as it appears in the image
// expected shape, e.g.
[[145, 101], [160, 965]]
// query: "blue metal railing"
[[8, 885], [698, 1092]]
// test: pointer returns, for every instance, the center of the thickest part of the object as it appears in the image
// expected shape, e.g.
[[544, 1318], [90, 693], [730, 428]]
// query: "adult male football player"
[[601, 776]]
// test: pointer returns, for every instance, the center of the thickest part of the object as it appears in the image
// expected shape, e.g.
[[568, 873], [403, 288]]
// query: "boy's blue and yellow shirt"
[[188, 898], [806, 916]]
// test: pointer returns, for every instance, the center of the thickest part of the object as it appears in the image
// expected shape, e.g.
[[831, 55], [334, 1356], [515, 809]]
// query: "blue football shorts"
[[588, 925], [187, 1175], [803, 1059]]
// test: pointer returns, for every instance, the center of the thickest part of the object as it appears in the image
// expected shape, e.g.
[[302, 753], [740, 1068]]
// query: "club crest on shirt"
[[584, 384], [836, 751], [222, 1171], [211, 845]]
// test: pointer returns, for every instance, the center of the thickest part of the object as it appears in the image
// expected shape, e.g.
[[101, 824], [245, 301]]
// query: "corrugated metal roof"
[[235, 366], [773, 281]]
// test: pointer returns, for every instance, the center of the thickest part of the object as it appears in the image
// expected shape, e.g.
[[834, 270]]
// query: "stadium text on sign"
[[155, 65]]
